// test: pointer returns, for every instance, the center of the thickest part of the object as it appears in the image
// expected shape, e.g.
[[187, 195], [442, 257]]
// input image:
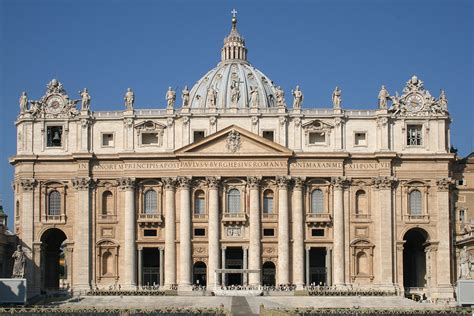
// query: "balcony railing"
[[106, 218], [54, 218], [318, 217], [234, 217], [422, 218], [199, 216], [361, 217], [150, 219], [270, 216]]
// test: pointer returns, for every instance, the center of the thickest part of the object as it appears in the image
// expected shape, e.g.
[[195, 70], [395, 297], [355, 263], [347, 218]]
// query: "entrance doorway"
[[199, 273], [234, 258], [268, 273], [317, 266], [414, 258], [53, 264], [151, 266]]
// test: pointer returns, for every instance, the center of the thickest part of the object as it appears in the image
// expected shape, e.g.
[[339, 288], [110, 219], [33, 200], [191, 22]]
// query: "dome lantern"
[[234, 44]]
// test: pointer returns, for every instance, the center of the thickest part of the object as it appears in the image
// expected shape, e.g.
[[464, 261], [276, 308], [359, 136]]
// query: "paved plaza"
[[247, 305]]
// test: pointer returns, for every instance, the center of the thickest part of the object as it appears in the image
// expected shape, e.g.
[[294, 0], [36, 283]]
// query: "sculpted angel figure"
[[465, 264], [383, 97], [234, 92], [185, 96], [170, 97], [254, 98], [129, 99], [211, 98], [442, 101], [298, 97], [337, 98], [23, 102], [395, 108], [86, 99], [19, 263], [280, 96]]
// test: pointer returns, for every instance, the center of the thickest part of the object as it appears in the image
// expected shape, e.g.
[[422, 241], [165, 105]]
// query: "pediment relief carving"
[[150, 126], [317, 126]]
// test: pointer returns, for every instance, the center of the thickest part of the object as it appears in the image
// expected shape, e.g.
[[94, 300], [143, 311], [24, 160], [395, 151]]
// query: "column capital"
[[298, 183], [384, 183], [81, 183], [184, 182], [283, 181], [126, 183], [170, 183], [213, 182], [27, 184], [443, 184], [340, 182], [254, 182]]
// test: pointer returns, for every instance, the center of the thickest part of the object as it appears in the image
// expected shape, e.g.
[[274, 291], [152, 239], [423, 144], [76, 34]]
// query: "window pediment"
[[149, 126], [317, 126]]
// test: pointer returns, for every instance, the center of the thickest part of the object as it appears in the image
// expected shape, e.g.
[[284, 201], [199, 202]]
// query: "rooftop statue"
[[170, 98], [185, 96], [129, 99], [19, 263], [234, 92], [86, 100], [465, 264], [298, 97], [336, 98], [383, 97], [23, 103], [254, 97], [280, 97]]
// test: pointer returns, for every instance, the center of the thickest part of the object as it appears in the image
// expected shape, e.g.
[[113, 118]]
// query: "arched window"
[[199, 203], [54, 203], [415, 202], [151, 205], [107, 203], [361, 202], [317, 201], [268, 202], [107, 263], [233, 201]]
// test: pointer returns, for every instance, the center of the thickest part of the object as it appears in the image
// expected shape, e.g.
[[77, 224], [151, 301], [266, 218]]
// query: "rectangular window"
[[360, 139], [268, 232], [414, 135], [317, 138], [54, 136], [268, 135], [461, 182], [317, 232], [462, 214], [198, 135], [108, 140], [150, 233], [199, 232], [149, 138]]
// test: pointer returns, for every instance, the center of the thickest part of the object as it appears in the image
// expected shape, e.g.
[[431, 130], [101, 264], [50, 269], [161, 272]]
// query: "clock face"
[[55, 104], [414, 102]]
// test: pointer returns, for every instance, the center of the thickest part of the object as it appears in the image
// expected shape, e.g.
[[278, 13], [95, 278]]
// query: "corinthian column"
[[170, 232], [213, 233], [129, 274], [82, 236], [283, 232], [254, 242], [385, 229], [298, 233], [185, 235], [338, 238]]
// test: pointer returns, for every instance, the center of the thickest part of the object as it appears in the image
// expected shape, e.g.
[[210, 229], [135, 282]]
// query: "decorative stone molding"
[[199, 251], [297, 121], [233, 141], [27, 184], [81, 184], [253, 182], [185, 120], [169, 183], [443, 184], [282, 182], [255, 120], [213, 182], [86, 122], [126, 183], [269, 252], [382, 121], [128, 122], [340, 182], [184, 182], [169, 121], [338, 121], [213, 120], [298, 183], [282, 120], [384, 183]]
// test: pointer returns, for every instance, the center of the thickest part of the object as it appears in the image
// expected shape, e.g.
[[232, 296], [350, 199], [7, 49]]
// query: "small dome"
[[234, 83]]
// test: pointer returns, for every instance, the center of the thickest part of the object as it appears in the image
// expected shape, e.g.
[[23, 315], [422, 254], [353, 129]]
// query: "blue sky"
[[108, 46]]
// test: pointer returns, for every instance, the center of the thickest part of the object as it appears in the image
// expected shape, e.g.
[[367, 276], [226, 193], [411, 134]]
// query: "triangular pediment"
[[234, 140]]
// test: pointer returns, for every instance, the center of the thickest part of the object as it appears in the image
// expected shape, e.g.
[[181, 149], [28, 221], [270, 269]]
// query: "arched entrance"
[[414, 258], [268, 273], [53, 266], [199, 273]]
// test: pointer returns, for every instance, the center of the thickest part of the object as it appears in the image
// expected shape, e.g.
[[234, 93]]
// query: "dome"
[[234, 83]]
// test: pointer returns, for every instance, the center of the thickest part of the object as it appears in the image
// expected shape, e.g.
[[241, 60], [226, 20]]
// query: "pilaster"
[[128, 278], [298, 233], [170, 232], [213, 229], [254, 238], [185, 263], [338, 239], [283, 232]]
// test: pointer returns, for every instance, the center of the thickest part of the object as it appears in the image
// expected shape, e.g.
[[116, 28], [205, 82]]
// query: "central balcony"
[[234, 218], [318, 219], [153, 219]]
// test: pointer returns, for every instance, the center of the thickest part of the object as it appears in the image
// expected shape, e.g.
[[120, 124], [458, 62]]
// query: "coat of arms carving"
[[233, 141]]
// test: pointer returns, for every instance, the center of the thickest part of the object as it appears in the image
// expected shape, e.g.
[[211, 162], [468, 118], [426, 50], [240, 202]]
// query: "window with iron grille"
[[317, 201], [150, 202], [233, 201], [414, 135], [54, 202], [415, 202]]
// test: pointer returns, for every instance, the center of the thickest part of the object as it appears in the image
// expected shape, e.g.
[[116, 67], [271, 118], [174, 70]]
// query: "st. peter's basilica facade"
[[233, 177]]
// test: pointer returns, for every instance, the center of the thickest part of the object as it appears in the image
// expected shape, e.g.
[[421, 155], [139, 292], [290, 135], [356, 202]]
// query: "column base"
[[185, 287], [443, 293]]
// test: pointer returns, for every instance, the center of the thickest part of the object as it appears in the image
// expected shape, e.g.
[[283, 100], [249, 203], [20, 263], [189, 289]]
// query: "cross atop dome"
[[234, 43]]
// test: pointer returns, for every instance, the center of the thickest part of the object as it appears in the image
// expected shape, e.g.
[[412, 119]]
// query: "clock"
[[414, 102], [55, 104]]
